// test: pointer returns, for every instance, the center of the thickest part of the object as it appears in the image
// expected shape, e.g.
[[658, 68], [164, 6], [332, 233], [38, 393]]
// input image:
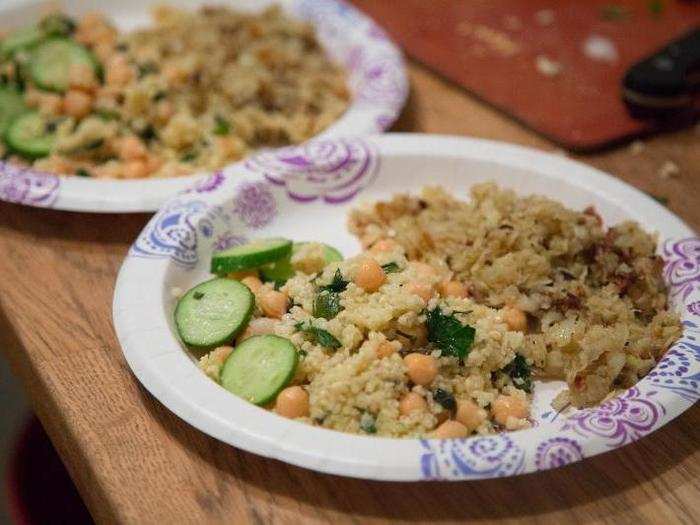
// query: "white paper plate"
[[377, 79], [304, 193]]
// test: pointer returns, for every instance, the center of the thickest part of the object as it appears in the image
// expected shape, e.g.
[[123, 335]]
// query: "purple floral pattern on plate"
[[377, 77], [332, 170], [674, 371], [620, 420], [254, 204], [171, 233], [682, 267], [478, 457], [207, 184], [557, 452], [24, 185]]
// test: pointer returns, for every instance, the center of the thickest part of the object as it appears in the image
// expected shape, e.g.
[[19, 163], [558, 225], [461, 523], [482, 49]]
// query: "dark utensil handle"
[[668, 78]]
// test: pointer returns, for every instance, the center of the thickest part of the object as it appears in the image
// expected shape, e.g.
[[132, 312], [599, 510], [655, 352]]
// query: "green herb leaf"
[[189, 156], [319, 335], [327, 304], [160, 95], [368, 423], [391, 267], [449, 334], [147, 68], [302, 354], [520, 372], [82, 172], [446, 399], [108, 114], [198, 295], [148, 133], [57, 24], [221, 126], [338, 284]]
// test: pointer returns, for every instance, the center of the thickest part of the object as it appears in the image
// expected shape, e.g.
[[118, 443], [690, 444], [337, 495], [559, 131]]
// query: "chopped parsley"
[[147, 68], [368, 423], [327, 304], [57, 25], [520, 372], [391, 267], [319, 335], [445, 399], [338, 284], [189, 156], [147, 133], [302, 354], [108, 114], [82, 172], [160, 95], [221, 126], [198, 295], [451, 336]]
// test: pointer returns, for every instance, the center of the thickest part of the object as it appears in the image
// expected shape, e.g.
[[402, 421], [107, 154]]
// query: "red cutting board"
[[491, 47]]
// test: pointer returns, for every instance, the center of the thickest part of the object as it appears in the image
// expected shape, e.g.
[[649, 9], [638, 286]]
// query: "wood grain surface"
[[134, 462]]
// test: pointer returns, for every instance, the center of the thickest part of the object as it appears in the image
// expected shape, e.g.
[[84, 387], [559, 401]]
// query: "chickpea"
[[515, 318], [370, 275], [220, 354], [259, 326], [470, 414], [253, 283], [422, 290], [273, 303], [132, 148], [384, 245], [412, 402], [422, 369], [81, 76], [119, 72], [292, 402], [134, 169], [386, 348], [153, 163], [77, 104], [453, 289], [505, 407], [450, 429]]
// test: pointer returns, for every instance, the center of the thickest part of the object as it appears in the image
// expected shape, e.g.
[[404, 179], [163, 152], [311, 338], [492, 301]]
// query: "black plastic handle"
[[669, 78]]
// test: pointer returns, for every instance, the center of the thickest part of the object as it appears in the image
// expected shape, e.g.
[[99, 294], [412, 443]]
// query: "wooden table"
[[135, 462]]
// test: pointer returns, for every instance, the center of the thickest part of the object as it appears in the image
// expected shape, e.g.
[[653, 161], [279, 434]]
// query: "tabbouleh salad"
[[442, 324], [193, 92]]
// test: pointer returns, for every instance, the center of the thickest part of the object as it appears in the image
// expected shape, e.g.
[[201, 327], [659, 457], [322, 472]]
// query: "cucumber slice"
[[251, 255], [21, 38], [50, 63], [11, 106], [259, 368], [281, 271], [213, 313], [30, 136]]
